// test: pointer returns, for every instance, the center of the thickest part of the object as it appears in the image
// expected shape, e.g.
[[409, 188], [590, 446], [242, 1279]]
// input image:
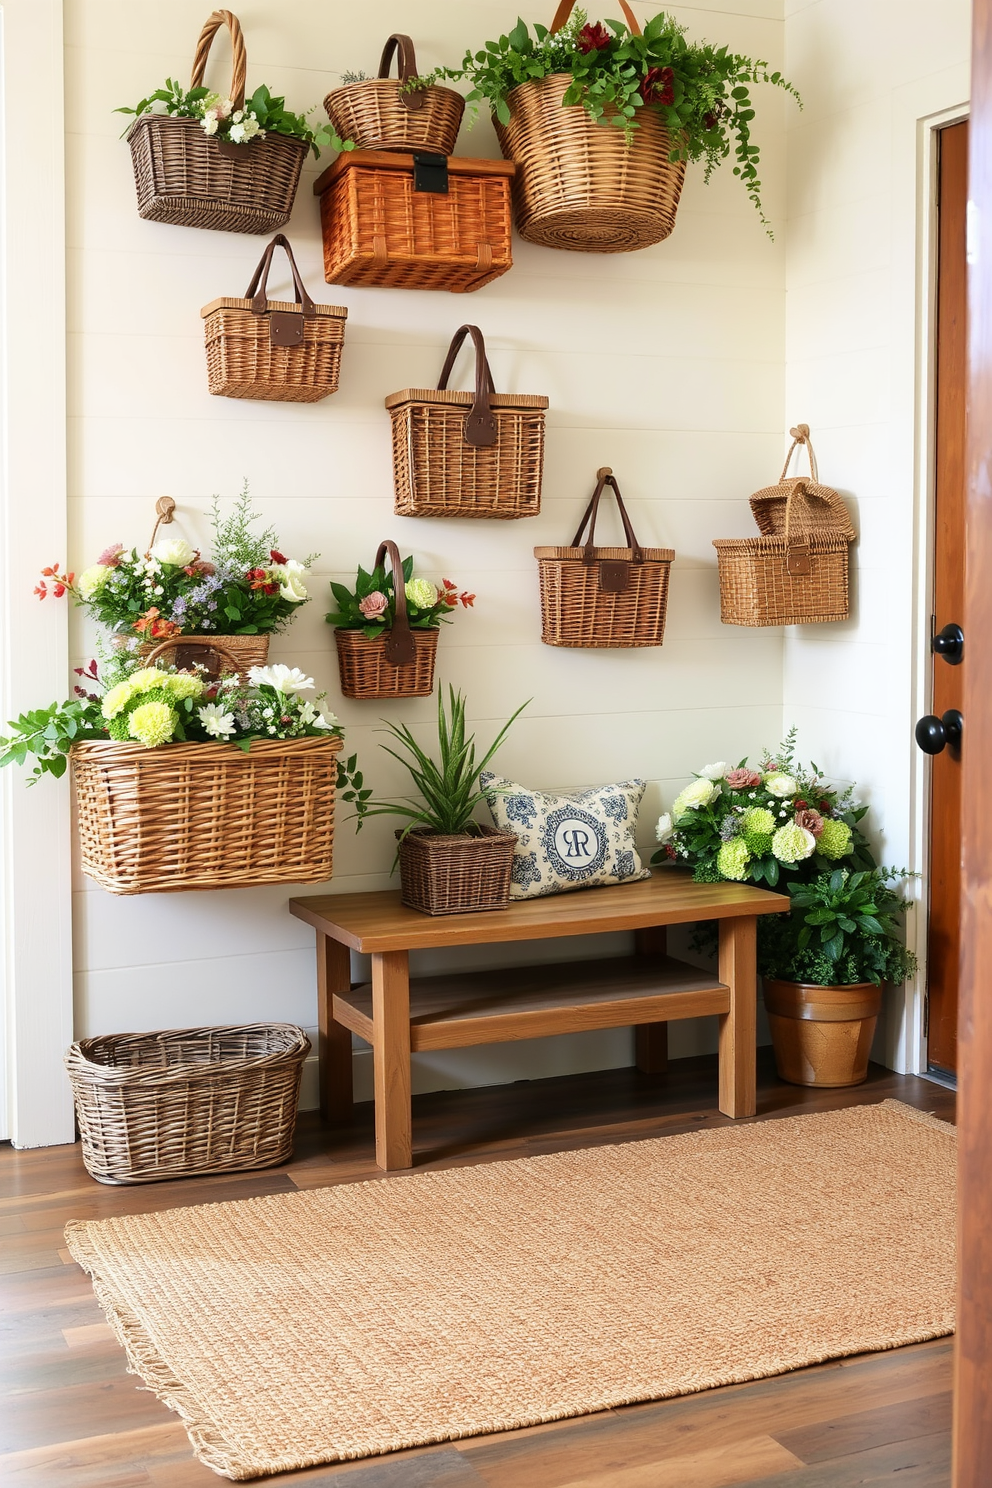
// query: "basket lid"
[[464, 400], [799, 505], [232, 302], [398, 160]]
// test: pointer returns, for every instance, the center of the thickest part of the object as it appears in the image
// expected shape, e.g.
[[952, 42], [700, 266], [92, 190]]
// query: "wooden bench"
[[398, 1016]]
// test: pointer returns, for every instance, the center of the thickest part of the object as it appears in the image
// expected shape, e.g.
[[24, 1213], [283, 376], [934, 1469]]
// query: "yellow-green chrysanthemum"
[[758, 819], [184, 685], [116, 699], [733, 858], [835, 839], [146, 679], [152, 724]]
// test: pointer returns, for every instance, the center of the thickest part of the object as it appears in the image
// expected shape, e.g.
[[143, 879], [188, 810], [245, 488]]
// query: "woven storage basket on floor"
[[475, 454], [583, 185], [276, 350], [383, 114], [399, 663], [186, 1101], [441, 875], [796, 573], [389, 222], [185, 177], [603, 597]]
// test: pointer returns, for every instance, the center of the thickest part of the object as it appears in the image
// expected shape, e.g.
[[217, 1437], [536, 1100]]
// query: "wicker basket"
[[399, 663], [442, 875], [219, 655], [390, 221], [796, 573], [603, 597], [475, 454], [186, 1101], [185, 177], [271, 349], [382, 114], [583, 185]]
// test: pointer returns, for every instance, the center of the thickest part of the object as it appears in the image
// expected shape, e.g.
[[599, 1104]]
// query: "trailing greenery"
[[371, 605], [844, 927], [263, 113]]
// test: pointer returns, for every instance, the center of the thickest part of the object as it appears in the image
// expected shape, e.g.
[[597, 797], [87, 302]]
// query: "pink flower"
[[374, 605], [811, 820], [742, 779], [111, 557]]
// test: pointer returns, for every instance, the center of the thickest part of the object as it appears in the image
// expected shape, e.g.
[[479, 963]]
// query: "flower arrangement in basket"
[[602, 118], [386, 632]]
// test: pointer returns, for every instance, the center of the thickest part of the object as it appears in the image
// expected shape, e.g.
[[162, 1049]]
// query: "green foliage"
[[349, 616], [844, 927], [45, 736], [268, 111]]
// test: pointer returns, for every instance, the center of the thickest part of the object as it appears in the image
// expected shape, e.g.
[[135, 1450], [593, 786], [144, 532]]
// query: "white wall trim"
[[36, 884]]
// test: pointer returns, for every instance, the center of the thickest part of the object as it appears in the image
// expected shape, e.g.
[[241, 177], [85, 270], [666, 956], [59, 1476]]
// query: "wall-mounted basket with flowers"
[[386, 632]]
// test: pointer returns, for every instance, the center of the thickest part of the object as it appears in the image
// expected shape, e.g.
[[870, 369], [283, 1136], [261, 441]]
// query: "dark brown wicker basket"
[[398, 663], [383, 114], [442, 875], [610, 598], [187, 1101], [185, 177]]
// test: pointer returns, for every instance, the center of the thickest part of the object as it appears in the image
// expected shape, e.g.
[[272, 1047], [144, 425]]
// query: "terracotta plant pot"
[[822, 1035], [442, 875]]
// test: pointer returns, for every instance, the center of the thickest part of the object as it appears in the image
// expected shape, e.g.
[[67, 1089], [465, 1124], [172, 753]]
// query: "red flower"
[[448, 584], [658, 86], [276, 556], [41, 589], [592, 38], [258, 578], [468, 600], [800, 805], [451, 600], [59, 590], [824, 805], [49, 573], [155, 628]]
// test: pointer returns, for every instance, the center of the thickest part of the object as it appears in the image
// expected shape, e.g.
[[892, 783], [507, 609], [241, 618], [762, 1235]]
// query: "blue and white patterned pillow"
[[571, 841]]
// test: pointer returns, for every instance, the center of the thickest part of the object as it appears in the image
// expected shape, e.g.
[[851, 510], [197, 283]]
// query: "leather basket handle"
[[614, 573], [285, 326], [407, 64], [800, 435], [197, 643], [480, 423], [565, 10], [400, 646], [239, 60]]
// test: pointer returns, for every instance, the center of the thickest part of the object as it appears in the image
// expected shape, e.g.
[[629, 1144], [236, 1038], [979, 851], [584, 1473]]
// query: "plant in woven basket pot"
[[824, 964], [449, 863], [386, 632], [602, 117]]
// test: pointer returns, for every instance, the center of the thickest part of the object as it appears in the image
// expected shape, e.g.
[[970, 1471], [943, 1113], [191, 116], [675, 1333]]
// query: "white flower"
[[173, 550], [289, 577], [326, 721], [699, 793], [91, 579], [715, 772], [244, 128], [777, 783], [238, 116], [209, 123], [284, 679], [218, 724], [665, 827]]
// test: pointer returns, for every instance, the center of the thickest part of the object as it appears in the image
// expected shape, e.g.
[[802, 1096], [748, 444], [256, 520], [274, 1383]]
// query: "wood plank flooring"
[[71, 1417]]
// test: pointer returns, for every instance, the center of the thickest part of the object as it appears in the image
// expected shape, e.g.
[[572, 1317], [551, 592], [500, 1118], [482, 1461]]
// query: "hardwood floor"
[[71, 1417]]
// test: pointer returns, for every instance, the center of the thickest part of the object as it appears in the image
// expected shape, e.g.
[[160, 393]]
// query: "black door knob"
[[934, 734], [949, 643]]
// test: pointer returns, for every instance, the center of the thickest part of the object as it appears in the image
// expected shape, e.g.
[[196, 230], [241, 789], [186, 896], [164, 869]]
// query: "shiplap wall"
[[666, 364]]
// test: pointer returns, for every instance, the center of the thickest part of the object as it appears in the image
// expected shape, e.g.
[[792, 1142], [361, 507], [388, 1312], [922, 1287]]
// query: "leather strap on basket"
[[239, 60], [565, 10], [285, 326], [800, 435], [480, 423], [614, 573], [797, 558], [400, 646], [407, 63], [215, 654]]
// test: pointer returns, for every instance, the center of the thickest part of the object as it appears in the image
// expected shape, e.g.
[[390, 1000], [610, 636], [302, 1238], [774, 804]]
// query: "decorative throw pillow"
[[572, 841]]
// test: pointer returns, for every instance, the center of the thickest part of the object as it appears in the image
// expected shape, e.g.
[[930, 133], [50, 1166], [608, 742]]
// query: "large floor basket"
[[186, 1101]]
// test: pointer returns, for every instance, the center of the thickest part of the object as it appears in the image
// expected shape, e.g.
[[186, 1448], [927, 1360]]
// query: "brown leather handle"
[[565, 10], [259, 281], [188, 643], [605, 478], [240, 56], [480, 425], [407, 66], [400, 646], [800, 435]]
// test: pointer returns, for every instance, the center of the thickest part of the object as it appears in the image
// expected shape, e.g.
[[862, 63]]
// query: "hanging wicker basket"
[[584, 185], [796, 573], [383, 113], [274, 350], [463, 874], [475, 454], [184, 1102], [188, 178], [610, 598], [397, 664]]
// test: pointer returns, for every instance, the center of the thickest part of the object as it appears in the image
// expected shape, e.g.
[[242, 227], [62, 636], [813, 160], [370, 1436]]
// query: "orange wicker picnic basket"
[[399, 663], [603, 597], [796, 573], [415, 221], [185, 177], [475, 454], [276, 350], [383, 113], [581, 184]]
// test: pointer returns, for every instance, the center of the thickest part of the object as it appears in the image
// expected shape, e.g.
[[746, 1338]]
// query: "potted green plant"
[[386, 632], [449, 863]]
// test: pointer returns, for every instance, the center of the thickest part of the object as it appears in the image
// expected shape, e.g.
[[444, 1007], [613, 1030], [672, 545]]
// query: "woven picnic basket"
[[276, 350], [383, 113], [603, 597], [475, 454], [205, 816], [584, 185], [399, 663], [182, 1102], [796, 573], [418, 221], [188, 178], [457, 874]]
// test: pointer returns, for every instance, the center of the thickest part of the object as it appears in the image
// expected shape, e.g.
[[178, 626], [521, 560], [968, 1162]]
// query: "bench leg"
[[334, 1046], [651, 1039], [738, 1030], [391, 1059]]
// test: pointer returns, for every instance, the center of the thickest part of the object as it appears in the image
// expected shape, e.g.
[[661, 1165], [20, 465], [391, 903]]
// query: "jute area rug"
[[338, 1323]]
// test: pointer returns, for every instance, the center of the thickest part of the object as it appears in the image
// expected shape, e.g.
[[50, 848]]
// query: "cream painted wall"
[[667, 365], [875, 77]]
